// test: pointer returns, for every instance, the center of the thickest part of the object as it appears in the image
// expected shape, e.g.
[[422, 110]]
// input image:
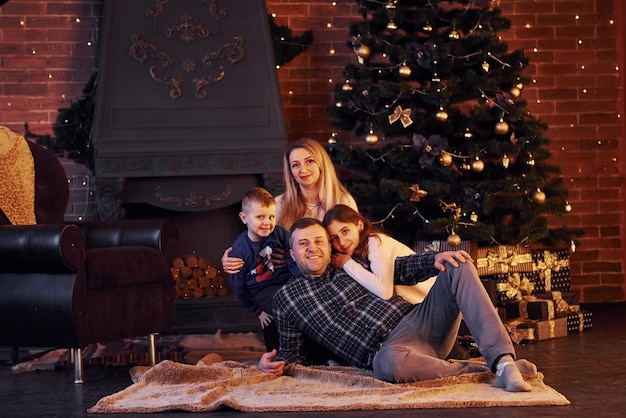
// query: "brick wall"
[[48, 50]]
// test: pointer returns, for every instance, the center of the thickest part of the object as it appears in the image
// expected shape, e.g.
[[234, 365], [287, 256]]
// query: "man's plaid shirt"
[[342, 315]]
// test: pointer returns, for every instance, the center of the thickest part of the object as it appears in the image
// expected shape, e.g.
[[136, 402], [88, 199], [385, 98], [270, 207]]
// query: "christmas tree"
[[432, 128]]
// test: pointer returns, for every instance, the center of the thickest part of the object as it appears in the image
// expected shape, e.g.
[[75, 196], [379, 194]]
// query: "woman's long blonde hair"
[[331, 191]]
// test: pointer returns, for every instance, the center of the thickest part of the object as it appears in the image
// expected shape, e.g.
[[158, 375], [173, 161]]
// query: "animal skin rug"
[[212, 384]]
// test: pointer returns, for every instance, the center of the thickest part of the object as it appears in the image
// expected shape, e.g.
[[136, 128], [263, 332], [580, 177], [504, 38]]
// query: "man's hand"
[[278, 258], [340, 260], [452, 257], [265, 319], [231, 265], [268, 366]]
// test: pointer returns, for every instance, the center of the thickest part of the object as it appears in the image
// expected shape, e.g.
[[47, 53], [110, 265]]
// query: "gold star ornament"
[[417, 193]]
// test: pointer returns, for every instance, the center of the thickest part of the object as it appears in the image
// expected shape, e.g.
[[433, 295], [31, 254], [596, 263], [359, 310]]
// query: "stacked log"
[[197, 277]]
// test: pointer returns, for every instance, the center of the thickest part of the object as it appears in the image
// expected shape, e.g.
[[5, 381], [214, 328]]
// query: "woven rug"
[[213, 384], [134, 351]]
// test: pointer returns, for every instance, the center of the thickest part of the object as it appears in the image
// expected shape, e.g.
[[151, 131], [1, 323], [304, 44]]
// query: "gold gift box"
[[503, 259]]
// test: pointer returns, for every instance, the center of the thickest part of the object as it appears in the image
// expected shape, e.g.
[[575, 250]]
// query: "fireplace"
[[188, 115]]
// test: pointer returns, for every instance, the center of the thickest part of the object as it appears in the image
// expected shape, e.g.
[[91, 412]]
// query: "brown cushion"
[[125, 266]]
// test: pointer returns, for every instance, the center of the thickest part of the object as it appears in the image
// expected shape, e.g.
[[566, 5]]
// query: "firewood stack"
[[197, 277]]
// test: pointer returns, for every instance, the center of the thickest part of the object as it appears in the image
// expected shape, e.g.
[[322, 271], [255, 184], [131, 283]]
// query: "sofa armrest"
[[155, 233], [54, 249]]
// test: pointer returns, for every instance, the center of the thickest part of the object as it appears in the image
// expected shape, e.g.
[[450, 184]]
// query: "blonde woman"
[[311, 188]]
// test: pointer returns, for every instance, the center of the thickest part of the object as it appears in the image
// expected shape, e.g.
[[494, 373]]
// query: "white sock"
[[509, 378]]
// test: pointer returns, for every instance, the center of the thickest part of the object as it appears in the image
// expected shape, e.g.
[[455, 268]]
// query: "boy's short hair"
[[257, 194]]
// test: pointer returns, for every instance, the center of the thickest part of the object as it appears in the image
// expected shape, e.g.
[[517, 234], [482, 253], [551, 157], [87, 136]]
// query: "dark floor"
[[588, 368]]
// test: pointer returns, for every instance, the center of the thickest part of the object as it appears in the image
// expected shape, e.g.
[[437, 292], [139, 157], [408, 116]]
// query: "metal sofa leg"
[[77, 356], [151, 349]]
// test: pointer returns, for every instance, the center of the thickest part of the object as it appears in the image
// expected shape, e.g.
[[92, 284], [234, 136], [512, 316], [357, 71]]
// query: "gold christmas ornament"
[[485, 66], [371, 138], [417, 193], [454, 34], [427, 27], [454, 240], [474, 217], [502, 127], [441, 115], [539, 197], [346, 86], [339, 104], [404, 71], [568, 207], [391, 25], [363, 51], [445, 159], [478, 165], [390, 5], [494, 4], [515, 92], [468, 134], [333, 138]]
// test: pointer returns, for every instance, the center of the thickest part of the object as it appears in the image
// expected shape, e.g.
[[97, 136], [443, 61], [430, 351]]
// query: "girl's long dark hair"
[[344, 213]]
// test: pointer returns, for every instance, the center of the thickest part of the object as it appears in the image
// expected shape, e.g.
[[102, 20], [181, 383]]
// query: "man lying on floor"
[[399, 341]]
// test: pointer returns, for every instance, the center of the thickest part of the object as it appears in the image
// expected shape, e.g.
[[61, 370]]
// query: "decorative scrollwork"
[[187, 29], [194, 199], [232, 51], [158, 9], [142, 51], [175, 82], [214, 10]]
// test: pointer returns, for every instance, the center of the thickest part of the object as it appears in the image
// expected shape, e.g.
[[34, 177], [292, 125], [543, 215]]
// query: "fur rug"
[[212, 384], [134, 351]]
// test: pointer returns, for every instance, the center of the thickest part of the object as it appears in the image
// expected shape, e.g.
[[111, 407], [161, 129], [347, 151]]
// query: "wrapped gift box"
[[512, 286], [550, 328], [530, 309], [529, 330], [579, 322], [502, 259], [520, 331], [553, 268], [564, 302], [439, 246]]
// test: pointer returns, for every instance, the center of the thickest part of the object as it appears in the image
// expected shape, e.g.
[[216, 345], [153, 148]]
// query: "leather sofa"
[[70, 285]]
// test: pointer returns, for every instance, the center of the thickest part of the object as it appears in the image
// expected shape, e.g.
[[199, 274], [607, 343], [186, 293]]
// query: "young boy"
[[258, 280]]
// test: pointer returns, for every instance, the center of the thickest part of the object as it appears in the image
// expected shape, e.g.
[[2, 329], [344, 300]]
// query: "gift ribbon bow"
[[504, 259], [404, 115], [561, 304], [551, 261], [516, 286], [518, 334]]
